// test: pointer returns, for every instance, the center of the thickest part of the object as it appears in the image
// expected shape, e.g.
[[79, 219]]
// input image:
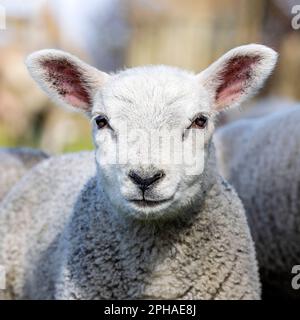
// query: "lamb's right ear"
[[65, 78]]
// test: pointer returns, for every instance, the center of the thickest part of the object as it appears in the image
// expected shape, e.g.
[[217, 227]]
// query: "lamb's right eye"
[[101, 122]]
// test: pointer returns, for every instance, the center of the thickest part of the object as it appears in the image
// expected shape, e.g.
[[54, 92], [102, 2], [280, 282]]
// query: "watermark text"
[[2, 278], [296, 18], [296, 278]]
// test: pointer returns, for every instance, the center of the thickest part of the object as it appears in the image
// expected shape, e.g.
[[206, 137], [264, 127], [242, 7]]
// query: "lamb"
[[260, 157], [144, 226], [14, 163]]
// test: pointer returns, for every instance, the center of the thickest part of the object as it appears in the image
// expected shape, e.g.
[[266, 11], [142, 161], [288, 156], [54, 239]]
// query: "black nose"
[[145, 182]]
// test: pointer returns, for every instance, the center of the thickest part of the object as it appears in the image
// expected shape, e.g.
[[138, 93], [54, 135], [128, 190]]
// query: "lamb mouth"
[[149, 203]]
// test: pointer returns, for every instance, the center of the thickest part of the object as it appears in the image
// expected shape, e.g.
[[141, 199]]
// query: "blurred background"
[[113, 34]]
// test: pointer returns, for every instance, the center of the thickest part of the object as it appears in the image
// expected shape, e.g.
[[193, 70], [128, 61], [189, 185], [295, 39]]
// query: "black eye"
[[101, 122], [200, 122]]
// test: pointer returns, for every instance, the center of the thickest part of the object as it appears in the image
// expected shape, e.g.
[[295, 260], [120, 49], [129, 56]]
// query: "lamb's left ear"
[[65, 78], [237, 75]]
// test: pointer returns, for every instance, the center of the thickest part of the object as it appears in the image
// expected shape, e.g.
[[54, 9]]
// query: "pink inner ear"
[[234, 79], [66, 79]]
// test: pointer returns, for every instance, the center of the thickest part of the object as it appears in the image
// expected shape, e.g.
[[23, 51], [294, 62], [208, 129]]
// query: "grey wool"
[[260, 157], [60, 239], [14, 163]]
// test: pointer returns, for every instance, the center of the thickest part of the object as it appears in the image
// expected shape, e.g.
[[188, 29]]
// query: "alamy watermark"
[[2, 18], [296, 278], [154, 147], [296, 18], [2, 278]]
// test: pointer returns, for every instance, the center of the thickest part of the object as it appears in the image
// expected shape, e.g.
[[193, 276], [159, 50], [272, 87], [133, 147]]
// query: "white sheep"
[[255, 109], [141, 228], [261, 158], [14, 163]]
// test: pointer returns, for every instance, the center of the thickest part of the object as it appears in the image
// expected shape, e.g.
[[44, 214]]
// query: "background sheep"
[[14, 163], [139, 229], [260, 157], [256, 109]]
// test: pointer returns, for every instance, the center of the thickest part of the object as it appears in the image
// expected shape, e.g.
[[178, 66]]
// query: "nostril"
[[145, 182], [137, 179], [158, 175]]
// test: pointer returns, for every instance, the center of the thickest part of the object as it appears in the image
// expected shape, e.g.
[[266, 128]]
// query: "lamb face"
[[152, 126]]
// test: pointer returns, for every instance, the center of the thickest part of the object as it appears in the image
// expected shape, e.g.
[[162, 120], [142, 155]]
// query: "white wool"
[[14, 163], [260, 158]]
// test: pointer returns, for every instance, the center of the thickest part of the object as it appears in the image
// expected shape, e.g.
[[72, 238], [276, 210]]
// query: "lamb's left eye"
[[200, 122]]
